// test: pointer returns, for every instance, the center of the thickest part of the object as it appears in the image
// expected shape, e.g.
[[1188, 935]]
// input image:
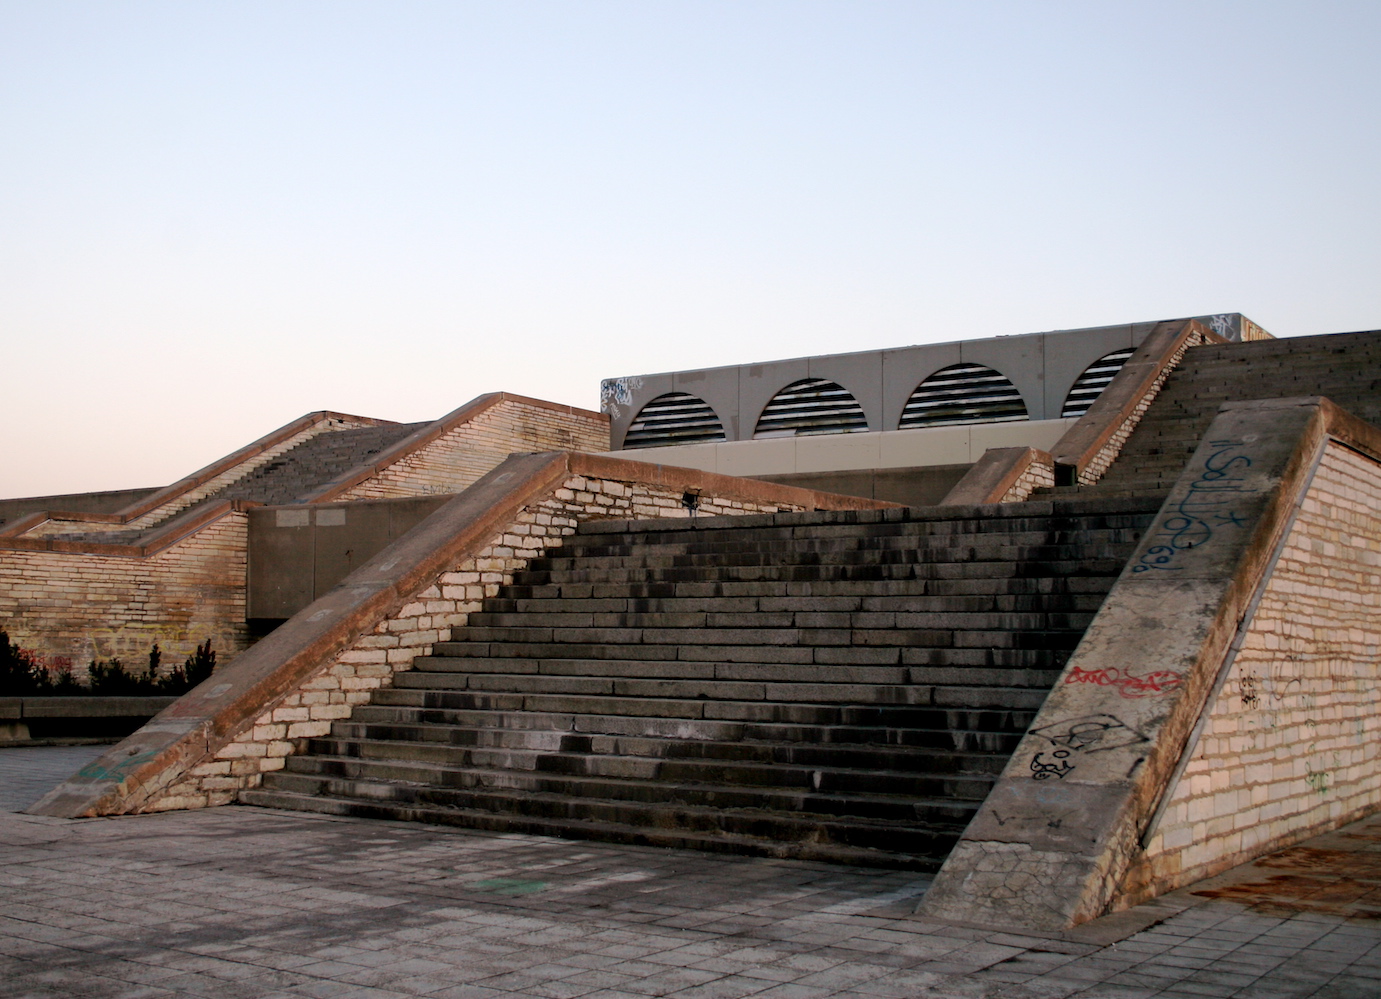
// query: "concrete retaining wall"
[[1292, 744], [1255, 564]]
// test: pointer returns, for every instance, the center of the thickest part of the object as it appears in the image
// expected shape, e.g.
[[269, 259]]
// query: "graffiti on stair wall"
[[1207, 507], [1090, 733], [1155, 684]]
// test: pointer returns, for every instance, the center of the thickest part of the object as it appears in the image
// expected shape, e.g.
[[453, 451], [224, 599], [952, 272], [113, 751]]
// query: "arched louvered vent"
[[674, 418], [963, 393], [811, 406], [1093, 381]]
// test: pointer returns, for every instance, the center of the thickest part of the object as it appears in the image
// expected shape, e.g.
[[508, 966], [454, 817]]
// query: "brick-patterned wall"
[[1108, 453], [446, 603], [1293, 743], [1038, 474], [83, 606], [465, 453]]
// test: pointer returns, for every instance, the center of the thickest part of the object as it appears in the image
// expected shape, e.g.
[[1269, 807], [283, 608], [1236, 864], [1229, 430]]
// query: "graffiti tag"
[[1204, 508], [1090, 734], [1044, 771], [1155, 684]]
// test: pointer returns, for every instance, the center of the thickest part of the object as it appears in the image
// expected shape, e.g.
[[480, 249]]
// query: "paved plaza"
[[243, 903]]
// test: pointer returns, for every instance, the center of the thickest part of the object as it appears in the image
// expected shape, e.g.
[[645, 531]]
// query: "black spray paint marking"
[[1044, 771], [1090, 733]]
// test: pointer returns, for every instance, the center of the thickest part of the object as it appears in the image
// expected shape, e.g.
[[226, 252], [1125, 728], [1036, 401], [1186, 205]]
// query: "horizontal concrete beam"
[[82, 707]]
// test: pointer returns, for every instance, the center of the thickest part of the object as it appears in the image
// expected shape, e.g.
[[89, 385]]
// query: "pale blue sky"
[[215, 217]]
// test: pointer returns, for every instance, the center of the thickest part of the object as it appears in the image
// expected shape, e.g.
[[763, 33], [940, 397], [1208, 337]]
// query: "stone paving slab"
[[247, 903], [27, 773]]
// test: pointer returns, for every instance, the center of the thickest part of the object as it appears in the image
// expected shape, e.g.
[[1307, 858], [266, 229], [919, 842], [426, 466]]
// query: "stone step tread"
[[632, 834], [590, 793], [616, 671], [840, 723], [1101, 564], [755, 771], [810, 689], [985, 603], [698, 621], [839, 756], [870, 590], [982, 699]]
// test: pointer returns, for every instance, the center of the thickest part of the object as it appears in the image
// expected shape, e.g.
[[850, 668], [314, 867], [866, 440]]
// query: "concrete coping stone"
[[82, 707]]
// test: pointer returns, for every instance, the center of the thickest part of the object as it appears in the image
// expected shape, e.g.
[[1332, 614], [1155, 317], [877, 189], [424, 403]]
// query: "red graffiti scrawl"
[[1151, 685]]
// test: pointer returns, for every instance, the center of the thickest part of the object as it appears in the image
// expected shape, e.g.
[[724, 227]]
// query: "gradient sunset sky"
[[215, 217]]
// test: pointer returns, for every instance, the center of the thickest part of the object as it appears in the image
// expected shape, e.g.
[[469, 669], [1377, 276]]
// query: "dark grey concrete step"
[[977, 673], [746, 834], [837, 767], [795, 711], [813, 723], [807, 745], [613, 798]]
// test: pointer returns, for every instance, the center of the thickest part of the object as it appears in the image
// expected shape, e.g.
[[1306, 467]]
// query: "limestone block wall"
[[467, 451], [79, 606], [349, 678], [1292, 745]]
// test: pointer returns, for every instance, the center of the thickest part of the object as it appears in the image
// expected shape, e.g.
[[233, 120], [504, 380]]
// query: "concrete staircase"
[[1345, 367], [294, 474], [832, 686]]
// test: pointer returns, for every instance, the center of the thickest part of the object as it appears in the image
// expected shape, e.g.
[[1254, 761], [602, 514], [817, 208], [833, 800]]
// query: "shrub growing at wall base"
[[24, 674]]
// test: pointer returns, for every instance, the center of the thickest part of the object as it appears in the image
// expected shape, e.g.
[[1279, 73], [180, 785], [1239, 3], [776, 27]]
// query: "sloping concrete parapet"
[[219, 738], [1003, 475], [1086, 450], [1060, 839]]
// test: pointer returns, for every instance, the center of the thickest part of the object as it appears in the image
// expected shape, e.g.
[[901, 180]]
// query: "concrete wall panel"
[[905, 368]]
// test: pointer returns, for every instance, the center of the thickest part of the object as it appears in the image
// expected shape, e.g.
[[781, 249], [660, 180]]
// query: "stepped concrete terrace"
[[291, 477], [1343, 367], [171, 566], [841, 686]]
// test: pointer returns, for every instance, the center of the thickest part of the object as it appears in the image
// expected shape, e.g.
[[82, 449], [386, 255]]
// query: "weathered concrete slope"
[[220, 738], [1060, 839]]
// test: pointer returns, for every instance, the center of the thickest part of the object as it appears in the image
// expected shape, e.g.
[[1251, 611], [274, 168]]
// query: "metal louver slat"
[[811, 406], [674, 418], [1093, 381], [963, 393]]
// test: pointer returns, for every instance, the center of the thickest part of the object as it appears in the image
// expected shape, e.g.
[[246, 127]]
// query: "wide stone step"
[[802, 607], [539, 626], [950, 798], [1018, 544], [807, 745], [852, 723], [796, 712], [760, 765], [958, 751], [499, 670], [717, 830]]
